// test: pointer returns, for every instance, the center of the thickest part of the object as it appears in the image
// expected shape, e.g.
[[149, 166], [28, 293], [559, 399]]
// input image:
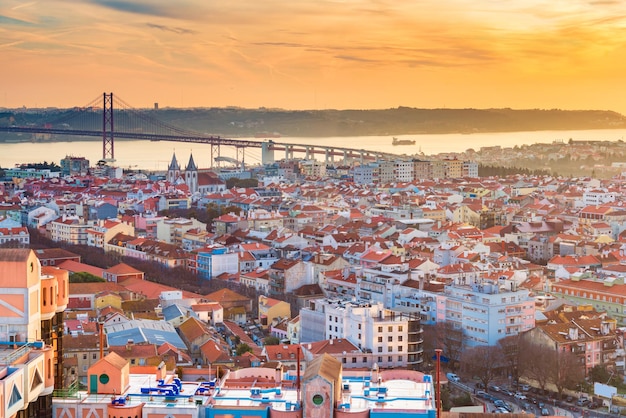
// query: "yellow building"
[[271, 309], [108, 298]]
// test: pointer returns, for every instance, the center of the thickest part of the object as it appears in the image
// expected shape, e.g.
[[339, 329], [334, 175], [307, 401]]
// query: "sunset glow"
[[568, 54]]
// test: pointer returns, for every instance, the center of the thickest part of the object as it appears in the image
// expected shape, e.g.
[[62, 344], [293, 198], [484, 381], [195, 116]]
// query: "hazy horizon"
[[315, 55]]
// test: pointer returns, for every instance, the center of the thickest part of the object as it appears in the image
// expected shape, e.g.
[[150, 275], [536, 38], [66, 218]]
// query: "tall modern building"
[[32, 302]]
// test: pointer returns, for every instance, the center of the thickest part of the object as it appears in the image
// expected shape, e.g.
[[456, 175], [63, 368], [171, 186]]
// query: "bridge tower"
[[107, 128]]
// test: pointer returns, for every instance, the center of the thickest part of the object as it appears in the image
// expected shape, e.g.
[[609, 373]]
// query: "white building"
[[404, 171], [487, 311], [393, 338]]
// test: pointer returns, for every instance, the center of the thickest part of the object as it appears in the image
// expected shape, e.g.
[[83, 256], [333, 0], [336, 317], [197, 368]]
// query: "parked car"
[[452, 377], [520, 396], [501, 404], [525, 388], [569, 399], [545, 412], [494, 388], [582, 401]]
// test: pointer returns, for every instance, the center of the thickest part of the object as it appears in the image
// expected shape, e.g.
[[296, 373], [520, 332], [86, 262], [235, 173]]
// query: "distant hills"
[[238, 122]]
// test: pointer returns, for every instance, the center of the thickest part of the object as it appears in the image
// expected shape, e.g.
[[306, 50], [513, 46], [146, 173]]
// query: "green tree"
[[84, 277], [243, 348], [271, 340]]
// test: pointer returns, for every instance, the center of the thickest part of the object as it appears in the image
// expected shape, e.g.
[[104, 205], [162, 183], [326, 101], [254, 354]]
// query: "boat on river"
[[397, 141]]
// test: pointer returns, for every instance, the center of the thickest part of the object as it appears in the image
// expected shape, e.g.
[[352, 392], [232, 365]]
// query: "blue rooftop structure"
[[145, 335]]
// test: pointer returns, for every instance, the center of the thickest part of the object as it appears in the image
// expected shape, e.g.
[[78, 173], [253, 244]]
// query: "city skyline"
[[315, 55]]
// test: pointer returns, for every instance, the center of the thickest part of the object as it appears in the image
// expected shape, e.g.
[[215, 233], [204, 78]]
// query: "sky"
[[315, 54]]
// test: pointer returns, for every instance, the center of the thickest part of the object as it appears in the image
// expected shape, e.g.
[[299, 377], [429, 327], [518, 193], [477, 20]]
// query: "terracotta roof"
[[334, 346], [226, 295], [115, 361], [14, 254], [192, 329], [76, 267], [95, 288], [122, 268], [325, 366]]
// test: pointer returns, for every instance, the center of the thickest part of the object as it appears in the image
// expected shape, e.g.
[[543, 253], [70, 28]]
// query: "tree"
[[509, 346], [429, 336], [482, 362], [452, 339], [566, 369], [84, 277], [243, 348], [271, 340], [534, 362]]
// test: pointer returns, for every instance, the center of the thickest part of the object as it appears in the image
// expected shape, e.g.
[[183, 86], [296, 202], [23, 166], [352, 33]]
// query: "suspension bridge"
[[110, 117]]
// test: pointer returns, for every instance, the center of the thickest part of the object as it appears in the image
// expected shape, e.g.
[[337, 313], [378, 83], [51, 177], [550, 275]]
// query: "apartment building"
[[32, 301], [72, 230], [487, 311], [391, 338]]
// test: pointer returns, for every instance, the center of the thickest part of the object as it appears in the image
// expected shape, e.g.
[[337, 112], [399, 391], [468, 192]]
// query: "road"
[[532, 404]]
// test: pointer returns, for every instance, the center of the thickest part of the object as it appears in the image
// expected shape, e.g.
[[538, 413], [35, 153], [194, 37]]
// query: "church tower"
[[191, 175], [173, 170]]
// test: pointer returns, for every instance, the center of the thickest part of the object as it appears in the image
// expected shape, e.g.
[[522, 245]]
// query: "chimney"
[[101, 332]]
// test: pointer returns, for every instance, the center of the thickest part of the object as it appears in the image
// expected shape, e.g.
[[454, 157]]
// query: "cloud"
[[605, 3], [180, 31], [136, 7], [5, 20]]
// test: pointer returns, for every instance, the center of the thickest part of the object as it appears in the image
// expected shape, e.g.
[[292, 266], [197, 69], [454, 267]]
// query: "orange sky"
[[303, 54]]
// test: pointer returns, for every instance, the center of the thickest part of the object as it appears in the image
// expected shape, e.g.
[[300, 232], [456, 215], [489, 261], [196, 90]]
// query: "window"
[[389, 349], [399, 348], [353, 359], [399, 328], [380, 359], [390, 338], [380, 339], [84, 356], [390, 329], [317, 399], [380, 349], [400, 358], [389, 359], [93, 356], [380, 329], [399, 337]]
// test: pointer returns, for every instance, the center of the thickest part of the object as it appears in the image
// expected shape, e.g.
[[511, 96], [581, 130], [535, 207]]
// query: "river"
[[156, 156]]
